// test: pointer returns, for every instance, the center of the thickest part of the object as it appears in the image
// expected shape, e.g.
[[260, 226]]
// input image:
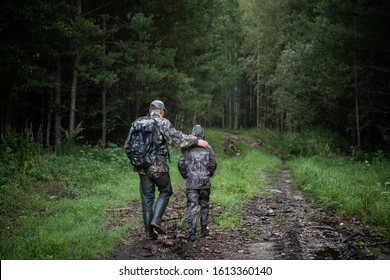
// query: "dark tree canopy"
[[285, 65]]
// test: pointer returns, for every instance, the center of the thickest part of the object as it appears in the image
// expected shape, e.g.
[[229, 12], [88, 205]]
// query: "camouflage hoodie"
[[197, 164], [166, 134]]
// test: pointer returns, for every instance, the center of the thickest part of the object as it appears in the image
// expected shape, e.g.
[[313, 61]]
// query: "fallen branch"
[[322, 227], [119, 209]]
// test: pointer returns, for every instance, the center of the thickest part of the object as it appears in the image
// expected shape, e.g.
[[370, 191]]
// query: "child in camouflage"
[[197, 165]]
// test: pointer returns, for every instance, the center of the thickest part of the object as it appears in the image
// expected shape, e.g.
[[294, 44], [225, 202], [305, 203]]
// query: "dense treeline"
[[88, 68], [322, 63]]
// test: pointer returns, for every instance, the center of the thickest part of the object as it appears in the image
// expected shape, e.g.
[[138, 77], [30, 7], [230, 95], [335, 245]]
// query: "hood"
[[198, 131]]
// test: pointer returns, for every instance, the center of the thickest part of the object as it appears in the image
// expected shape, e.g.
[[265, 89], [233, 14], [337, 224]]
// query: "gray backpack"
[[143, 144]]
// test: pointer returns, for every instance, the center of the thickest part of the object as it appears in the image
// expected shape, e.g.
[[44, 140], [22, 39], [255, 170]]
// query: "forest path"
[[282, 224]]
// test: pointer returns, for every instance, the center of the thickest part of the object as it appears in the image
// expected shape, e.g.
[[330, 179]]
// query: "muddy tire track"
[[281, 224]]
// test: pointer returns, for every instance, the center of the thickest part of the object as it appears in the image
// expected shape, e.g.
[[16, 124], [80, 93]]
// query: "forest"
[[81, 70], [294, 97]]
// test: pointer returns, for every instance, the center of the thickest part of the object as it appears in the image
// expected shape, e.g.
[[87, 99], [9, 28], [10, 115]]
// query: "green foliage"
[[20, 153], [290, 65], [229, 220], [59, 210], [216, 139], [312, 142], [352, 188], [308, 61], [306, 143]]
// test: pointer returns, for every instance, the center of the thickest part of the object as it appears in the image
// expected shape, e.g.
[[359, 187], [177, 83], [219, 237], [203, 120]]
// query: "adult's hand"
[[204, 144]]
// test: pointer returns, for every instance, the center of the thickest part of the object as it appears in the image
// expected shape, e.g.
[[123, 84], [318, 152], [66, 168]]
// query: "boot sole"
[[154, 237], [159, 229]]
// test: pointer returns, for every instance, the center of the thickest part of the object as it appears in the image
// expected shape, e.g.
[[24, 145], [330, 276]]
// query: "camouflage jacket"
[[166, 134], [196, 166]]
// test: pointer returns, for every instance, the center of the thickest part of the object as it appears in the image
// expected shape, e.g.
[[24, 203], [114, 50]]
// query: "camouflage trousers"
[[194, 198]]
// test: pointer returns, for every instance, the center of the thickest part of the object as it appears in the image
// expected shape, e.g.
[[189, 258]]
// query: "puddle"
[[326, 253]]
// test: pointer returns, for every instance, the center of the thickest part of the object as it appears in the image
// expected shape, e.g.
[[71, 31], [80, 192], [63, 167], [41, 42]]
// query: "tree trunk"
[[57, 104], [236, 107], [258, 123], [230, 112], [104, 116], [223, 117], [258, 103], [2, 120], [251, 104], [48, 125], [73, 93], [104, 91], [357, 115], [266, 93], [137, 112]]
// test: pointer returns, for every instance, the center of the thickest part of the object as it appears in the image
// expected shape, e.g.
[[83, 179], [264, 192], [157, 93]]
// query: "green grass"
[[352, 188], [57, 209], [306, 143], [238, 179], [54, 206]]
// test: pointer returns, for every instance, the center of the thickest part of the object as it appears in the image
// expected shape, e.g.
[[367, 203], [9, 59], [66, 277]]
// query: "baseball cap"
[[157, 104]]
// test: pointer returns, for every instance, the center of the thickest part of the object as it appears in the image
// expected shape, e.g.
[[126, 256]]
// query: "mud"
[[282, 224]]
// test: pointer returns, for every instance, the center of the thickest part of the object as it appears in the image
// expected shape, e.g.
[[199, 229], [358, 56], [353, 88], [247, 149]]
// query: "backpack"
[[143, 144]]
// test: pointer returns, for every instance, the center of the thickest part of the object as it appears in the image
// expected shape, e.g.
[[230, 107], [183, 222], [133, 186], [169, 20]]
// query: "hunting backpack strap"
[[166, 142]]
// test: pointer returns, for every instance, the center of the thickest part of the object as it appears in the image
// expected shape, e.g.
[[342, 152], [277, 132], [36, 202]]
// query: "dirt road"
[[282, 224]]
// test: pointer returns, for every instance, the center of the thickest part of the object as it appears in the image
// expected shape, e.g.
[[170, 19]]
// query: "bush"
[[19, 153]]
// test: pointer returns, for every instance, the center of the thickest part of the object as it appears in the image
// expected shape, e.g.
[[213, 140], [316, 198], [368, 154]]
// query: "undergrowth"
[[53, 206]]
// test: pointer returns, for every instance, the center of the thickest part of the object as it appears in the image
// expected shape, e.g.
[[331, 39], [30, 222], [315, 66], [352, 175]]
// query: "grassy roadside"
[[56, 209], [238, 179], [359, 189], [337, 176]]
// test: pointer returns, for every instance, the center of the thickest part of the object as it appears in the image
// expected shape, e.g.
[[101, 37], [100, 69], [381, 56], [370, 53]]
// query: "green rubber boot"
[[161, 204], [149, 232]]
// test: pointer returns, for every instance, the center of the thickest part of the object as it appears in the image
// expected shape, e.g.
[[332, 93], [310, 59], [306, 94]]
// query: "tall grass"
[[353, 188], [306, 143], [57, 209]]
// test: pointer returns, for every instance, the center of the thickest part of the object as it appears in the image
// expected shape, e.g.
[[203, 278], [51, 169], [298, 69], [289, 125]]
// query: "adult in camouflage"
[[157, 174], [196, 166]]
